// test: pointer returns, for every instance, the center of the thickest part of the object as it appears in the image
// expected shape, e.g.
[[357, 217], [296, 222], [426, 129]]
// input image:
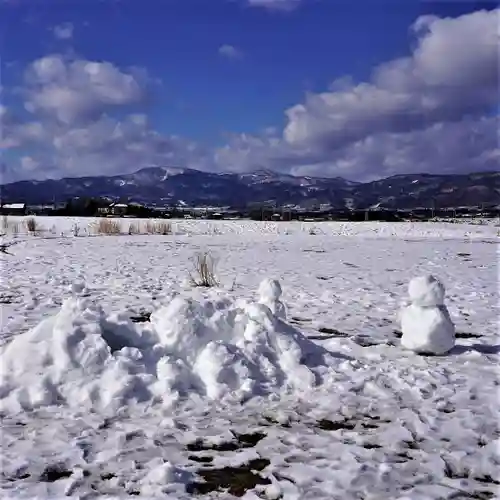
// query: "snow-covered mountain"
[[163, 185]]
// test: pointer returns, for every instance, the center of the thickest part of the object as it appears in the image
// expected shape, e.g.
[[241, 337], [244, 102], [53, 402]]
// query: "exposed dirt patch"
[[329, 425], [371, 446], [467, 335], [332, 331], [487, 479], [297, 319], [448, 408], [473, 495], [268, 420], [235, 480], [249, 440], [201, 460], [106, 476], [348, 264], [53, 473], [240, 441], [19, 475], [142, 317], [361, 420], [412, 445]]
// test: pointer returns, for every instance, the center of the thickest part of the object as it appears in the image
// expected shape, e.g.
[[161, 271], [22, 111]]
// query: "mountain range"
[[159, 186]]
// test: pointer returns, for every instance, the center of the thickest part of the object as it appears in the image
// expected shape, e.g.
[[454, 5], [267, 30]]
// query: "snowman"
[[269, 295], [426, 324]]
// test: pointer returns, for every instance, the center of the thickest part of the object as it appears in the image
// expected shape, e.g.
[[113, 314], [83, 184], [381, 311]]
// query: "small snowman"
[[426, 324], [269, 295]]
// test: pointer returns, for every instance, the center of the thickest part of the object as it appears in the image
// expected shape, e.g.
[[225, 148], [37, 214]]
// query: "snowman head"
[[270, 289], [426, 291]]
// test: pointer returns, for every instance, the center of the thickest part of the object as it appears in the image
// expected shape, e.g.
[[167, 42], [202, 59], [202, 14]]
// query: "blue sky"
[[215, 79]]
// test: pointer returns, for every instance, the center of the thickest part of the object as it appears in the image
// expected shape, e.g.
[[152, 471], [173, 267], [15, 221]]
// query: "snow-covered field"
[[120, 379]]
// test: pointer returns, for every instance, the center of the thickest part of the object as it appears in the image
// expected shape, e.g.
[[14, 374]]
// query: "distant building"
[[117, 209], [13, 209]]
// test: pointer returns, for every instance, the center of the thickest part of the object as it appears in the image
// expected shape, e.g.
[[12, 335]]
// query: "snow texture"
[[426, 324], [379, 424]]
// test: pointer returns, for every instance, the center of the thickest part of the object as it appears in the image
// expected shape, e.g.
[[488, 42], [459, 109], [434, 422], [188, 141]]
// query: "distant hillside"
[[167, 185]]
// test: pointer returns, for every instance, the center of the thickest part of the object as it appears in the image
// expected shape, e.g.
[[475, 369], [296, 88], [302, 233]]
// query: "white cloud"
[[429, 112], [452, 72], [230, 51], [73, 90], [426, 112], [63, 31]]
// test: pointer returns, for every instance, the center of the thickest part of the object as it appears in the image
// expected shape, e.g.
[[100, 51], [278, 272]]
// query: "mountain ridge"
[[162, 185]]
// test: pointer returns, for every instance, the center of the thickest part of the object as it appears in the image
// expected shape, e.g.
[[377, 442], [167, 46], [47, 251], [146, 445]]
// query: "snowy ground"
[[382, 423]]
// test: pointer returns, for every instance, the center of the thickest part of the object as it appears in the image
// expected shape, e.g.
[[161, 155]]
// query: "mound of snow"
[[212, 349], [426, 324]]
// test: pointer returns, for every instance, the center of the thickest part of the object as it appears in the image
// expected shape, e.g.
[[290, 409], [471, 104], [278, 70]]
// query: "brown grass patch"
[[161, 227], [109, 226]]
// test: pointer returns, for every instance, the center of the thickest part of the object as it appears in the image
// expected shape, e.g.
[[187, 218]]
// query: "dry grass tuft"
[[204, 268], [164, 228], [109, 226], [160, 227]]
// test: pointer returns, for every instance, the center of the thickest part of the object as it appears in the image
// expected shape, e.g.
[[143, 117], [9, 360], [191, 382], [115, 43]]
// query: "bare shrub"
[[204, 269], [5, 223], [32, 225], [109, 226]]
